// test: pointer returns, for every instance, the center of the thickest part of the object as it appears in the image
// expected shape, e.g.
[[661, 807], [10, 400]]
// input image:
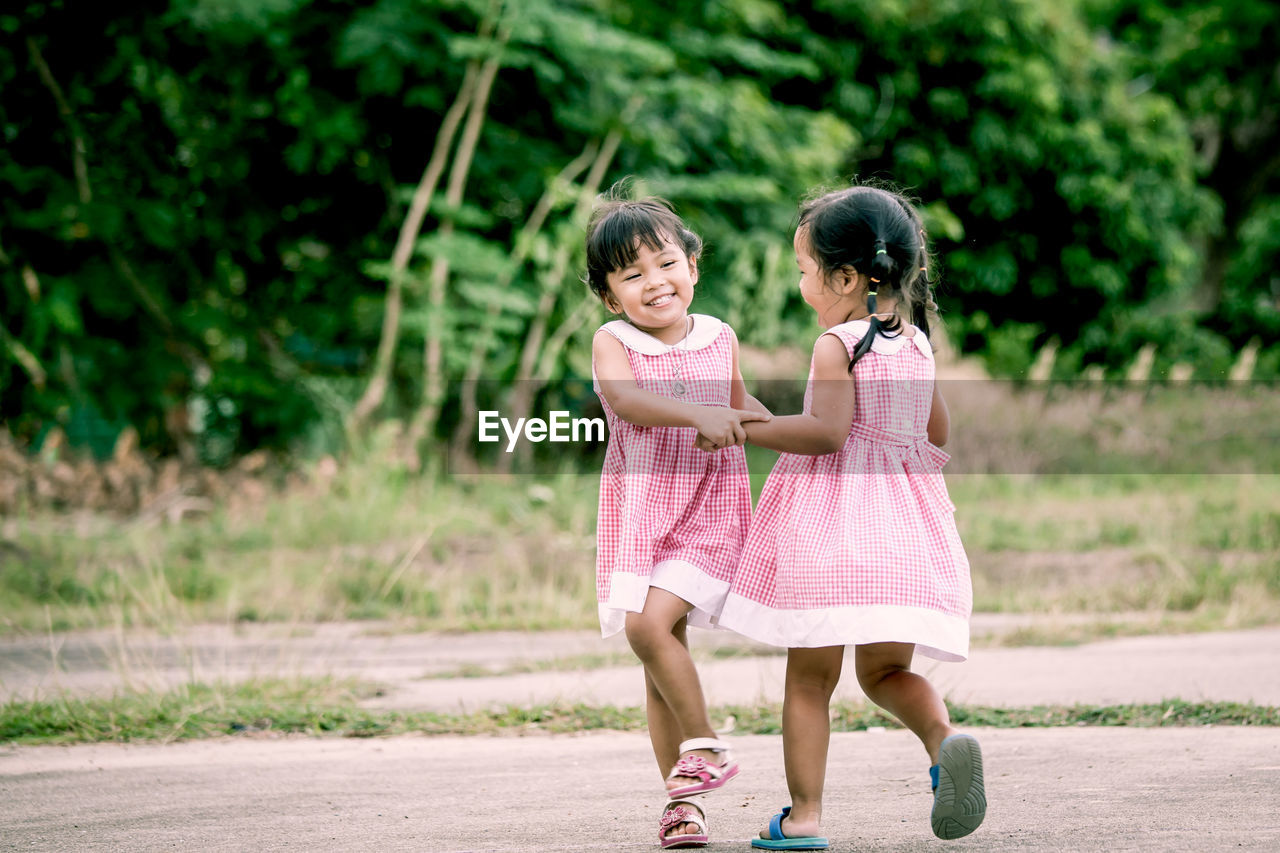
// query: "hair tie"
[[877, 281]]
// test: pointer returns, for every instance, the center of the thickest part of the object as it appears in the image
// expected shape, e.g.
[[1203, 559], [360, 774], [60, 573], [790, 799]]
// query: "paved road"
[[1076, 789], [1240, 666], [1190, 789]]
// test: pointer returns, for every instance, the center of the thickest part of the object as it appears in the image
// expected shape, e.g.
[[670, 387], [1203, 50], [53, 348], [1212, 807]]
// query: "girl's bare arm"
[[939, 427], [826, 427], [644, 408]]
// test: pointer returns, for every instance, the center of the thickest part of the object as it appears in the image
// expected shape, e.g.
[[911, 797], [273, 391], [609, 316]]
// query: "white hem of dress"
[[627, 594], [936, 635]]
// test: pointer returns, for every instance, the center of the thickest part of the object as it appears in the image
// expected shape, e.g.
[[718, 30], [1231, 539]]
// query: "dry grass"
[[517, 552]]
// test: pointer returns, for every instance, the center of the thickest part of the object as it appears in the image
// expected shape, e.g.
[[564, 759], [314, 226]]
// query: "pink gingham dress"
[[671, 515], [860, 546]]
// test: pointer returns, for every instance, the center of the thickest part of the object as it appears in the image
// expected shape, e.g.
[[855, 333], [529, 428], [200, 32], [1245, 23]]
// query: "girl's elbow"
[[623, 409], [617, 405], [833, 443], [938, 437]]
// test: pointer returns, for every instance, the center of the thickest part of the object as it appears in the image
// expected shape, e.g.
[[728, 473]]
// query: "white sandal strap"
[[711, 743], [697, 816]]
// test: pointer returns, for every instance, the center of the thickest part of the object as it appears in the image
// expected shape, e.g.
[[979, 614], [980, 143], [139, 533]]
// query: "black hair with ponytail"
[[877, 233]]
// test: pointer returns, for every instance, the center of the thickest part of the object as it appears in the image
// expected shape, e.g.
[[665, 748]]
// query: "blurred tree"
[[1058, 201], [237, 224], [1217, 61], [190, 189]]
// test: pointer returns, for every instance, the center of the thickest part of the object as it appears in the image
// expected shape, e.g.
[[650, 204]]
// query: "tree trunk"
[[526, 387], [484, 338], [424, 419], [376, 390]]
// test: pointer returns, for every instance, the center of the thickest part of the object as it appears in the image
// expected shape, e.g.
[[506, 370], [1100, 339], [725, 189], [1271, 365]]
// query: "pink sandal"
[[676, 813], [713, 776]]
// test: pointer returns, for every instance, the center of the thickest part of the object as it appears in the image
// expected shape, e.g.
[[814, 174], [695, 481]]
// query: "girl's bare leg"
[[812, 675], [884, 672], [664, 728], [674, 703]]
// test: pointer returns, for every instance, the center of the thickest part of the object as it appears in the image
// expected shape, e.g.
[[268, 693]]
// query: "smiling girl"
[[672, 519]]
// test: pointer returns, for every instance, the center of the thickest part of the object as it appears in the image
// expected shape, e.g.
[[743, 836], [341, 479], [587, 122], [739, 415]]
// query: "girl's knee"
[[870, 678], [645, 633], [818, 685], [817, 675], [635, 629], [877, 661]]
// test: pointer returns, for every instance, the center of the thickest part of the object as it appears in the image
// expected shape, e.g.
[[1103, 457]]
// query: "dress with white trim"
[[670, 515], [860, 546]]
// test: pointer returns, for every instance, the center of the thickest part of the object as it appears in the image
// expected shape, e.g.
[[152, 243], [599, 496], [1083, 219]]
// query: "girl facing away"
[[672, 518], [854, 540]]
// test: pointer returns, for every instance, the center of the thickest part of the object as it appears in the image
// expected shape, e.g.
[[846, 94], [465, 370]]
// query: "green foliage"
[[198, 209], [1216, 62], [1250, 305], [1067, 201], [329, 708], [171, 285]]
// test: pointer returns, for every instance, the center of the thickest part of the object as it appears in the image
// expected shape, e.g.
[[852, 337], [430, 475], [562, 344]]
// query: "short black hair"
[[619, 226]]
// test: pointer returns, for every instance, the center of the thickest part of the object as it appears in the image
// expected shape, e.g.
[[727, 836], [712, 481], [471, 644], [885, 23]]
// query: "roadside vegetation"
[[1199, 552], [324, 707], [1064, 512]]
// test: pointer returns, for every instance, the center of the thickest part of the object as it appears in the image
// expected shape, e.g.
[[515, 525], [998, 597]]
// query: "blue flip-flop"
[[778, 841], [959, 798]]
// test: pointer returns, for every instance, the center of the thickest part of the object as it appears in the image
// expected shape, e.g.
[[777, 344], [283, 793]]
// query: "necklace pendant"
[[678, 387]]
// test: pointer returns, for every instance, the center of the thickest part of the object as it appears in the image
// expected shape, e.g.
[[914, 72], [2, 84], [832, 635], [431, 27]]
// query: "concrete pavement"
[[1239, 666], [1075, 789]]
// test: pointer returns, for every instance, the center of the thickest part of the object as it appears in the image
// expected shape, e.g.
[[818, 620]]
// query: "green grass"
[[320, 707], [424, 555], [315, 706], [487, 552]]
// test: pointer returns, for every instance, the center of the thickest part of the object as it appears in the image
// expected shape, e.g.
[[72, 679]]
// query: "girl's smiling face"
[[654, 291]]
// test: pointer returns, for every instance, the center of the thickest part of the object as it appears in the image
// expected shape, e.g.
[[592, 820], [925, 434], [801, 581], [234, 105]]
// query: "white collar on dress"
[[882, 344], [704, 332]]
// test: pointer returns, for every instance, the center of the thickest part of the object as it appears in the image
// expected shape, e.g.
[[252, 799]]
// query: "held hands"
[[722, 427]]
